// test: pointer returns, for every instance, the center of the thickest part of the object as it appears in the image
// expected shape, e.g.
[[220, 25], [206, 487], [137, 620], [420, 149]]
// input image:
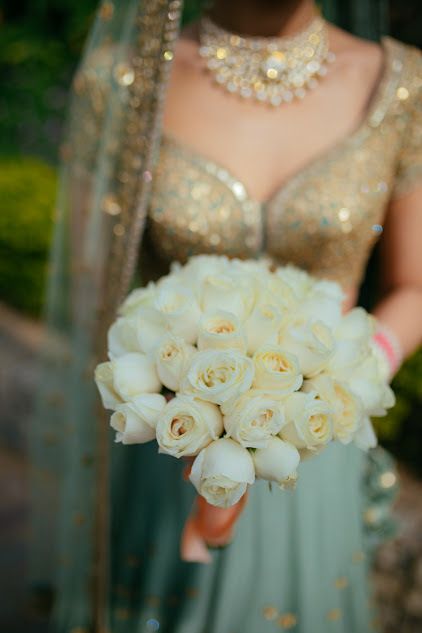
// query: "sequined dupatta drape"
[[108, 157]]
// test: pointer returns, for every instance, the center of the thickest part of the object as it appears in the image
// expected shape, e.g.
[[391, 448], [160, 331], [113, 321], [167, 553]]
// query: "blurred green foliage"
[[27, 194], [407, 386], [40, 44], [401, 429]]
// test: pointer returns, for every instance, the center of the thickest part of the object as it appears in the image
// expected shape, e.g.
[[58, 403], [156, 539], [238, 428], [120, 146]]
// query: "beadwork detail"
[[268, 70]]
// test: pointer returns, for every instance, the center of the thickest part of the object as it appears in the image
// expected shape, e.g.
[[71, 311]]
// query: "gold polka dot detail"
[[341, 582], [133, 561], [106, 11], [79, 519], [122, 614], [358, 557], [334, 614], [287, 621], [153, 601], [270, 612]]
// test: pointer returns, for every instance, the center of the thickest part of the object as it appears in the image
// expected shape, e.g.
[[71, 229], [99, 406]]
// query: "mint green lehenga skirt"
[[297, 561]]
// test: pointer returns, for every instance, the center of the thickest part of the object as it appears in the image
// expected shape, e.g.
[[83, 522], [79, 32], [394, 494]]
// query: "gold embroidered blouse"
[[327, 217]]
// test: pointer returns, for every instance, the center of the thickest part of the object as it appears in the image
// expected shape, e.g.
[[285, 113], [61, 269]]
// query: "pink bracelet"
[[389, 345]]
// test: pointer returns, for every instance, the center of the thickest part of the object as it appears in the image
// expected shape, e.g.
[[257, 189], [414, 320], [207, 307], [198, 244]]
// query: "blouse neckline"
[[379, 102]]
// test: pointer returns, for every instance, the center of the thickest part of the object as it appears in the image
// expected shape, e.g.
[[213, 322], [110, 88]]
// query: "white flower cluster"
[[264, 368]]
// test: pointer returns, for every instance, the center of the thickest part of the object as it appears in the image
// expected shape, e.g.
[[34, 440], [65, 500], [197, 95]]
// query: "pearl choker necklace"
[[272, 70]]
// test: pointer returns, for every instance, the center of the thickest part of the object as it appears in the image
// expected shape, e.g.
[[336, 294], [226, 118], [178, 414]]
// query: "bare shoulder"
[[356, 57]]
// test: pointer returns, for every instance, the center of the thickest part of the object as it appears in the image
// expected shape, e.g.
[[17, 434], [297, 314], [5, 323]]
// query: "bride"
[[259, 129]]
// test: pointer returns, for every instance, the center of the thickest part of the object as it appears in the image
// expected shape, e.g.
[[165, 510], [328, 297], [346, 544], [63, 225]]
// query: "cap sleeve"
[[409, 162]]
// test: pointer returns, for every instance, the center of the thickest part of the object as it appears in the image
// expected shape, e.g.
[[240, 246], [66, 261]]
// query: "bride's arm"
[[400, 308]]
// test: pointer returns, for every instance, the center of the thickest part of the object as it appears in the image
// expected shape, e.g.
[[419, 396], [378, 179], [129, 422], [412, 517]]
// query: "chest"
[[325, 218], [262, 146]]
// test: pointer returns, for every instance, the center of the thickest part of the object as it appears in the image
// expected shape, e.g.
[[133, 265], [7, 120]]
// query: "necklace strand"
[[272, 70]]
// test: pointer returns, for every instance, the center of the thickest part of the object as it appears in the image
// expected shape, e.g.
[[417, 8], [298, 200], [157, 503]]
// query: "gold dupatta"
[[107, 165]]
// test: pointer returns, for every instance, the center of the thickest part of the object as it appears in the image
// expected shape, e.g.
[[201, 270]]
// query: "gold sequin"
[[124, 74], [287, 621], [334, 614], [341, 582], [358, 557], [192, 592], [153, 601], [106, 11], [110, 205], [371, 515], [326, 218], [270, 612], [122, 614], [402, 93], [388, 479], [119, 230], [133, 561], [344, 214], [79, 519]]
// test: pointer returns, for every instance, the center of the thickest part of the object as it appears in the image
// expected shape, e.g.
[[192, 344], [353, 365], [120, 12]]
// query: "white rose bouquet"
[[242, 369]]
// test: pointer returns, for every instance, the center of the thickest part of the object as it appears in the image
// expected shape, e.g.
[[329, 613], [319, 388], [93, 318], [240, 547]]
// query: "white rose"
[[218, 375], [149, 406], [180, 310], [135, 421], [348, 355], [355, 325], [253, 418], [365, 437], [299, 280], [138, 298], [134, 374], [187, 425], [276, 369], [221, 330], [309, 421], [104, 381], [253, 267], [311, 343], [232, 292], [275, 290], [321, 307], [262, 325], [150, 328], [367, 382], [200, 267], [122, 338], [173, 357], [277, 462], [328, 288], [222, 471], [347, 409]]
